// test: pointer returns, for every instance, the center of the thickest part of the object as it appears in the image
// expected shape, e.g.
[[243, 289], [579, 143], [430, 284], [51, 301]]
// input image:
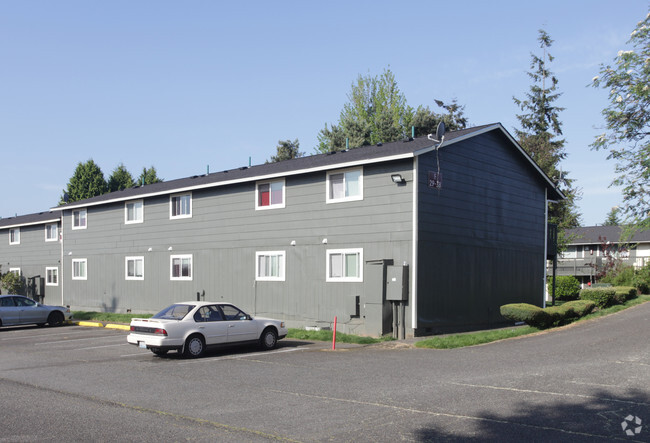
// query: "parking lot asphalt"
[[589, 382]]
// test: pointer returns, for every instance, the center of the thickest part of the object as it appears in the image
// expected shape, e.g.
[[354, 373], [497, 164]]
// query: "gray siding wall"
[[481, 237], [32, 256], [223, 235]]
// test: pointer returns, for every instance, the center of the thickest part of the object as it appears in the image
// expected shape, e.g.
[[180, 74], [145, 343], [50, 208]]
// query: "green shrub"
[[625, 292], [602, 296], [580, 307], [555, 315], [641, 285], [641, 279], [522, 312], [567, 287]]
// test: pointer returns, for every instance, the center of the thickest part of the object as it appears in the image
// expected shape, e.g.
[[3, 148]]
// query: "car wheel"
[[269, 339], [159, 351], [55, 318], [194, 346]]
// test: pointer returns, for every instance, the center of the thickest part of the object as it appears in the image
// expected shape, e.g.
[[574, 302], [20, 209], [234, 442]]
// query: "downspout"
[[545, 247], [414, 248], [61, 276]]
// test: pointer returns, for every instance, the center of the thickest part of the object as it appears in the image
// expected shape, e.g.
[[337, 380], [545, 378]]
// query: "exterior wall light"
[[398, 179]]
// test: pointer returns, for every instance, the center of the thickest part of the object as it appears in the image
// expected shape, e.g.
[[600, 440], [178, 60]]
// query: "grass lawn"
[[477, 338], [439, 342]]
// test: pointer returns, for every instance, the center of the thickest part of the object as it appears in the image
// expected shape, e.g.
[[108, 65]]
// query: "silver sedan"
[[20, 310]]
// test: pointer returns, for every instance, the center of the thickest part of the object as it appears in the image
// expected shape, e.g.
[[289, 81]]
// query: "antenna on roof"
[[440, 135]]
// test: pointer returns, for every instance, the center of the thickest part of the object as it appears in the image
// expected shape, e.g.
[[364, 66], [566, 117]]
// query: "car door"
[[9, 312], [210, 323], [30, 311], [240, 326]]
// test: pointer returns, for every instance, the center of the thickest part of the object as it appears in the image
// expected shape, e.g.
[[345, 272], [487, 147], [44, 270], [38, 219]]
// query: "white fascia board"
[[242, 180], [42, 222]]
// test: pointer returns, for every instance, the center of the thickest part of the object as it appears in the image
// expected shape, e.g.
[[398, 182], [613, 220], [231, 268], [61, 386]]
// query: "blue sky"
[[184, 85]]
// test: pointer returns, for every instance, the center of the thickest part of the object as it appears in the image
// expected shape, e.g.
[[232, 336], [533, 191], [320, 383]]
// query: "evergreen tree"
[[376, 112], [86, 182], [148, 177], [120, 179], [538, 136], [627, 118], [287, 150], [612, 218], [426, 121]]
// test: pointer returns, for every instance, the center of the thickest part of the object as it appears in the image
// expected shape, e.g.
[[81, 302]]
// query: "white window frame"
[[14, 236], [281, 257], [344, 252], [84, 218], [139, 219], [16, 271], [171, 206], [54, 229], [126, 268], [55, 272], [281, 205], [85, 268], [171, 267], [328, 192]]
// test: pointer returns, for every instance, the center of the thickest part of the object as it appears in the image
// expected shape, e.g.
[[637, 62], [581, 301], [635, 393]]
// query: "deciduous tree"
[[627, 122]]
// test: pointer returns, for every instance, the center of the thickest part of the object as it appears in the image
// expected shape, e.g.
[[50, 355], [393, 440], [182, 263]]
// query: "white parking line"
[[97, 347], [72, 339], [44, 334], [238, 356]]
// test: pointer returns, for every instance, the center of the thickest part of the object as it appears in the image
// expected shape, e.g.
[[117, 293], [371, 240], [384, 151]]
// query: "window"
[[269, 266], [51, 232], [14, 236], [181, 267], [15, 271], [134, 268], [133, 212], [79, 271], [345, 185], [79, 219], [180, 206], [270, 195], [344, 265], [51, 276]]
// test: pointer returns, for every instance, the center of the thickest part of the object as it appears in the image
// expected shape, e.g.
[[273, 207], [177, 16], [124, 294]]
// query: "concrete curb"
[[115, 326], [95, 324], [90, 323]]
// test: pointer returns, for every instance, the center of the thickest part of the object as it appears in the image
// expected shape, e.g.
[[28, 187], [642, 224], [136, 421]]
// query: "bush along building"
[[415, 235]]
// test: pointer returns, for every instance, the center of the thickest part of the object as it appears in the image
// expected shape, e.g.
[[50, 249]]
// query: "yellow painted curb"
[[91, 323], [122, 327]]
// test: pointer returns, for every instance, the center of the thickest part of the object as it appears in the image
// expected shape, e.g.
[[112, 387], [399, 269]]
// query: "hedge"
[[629, 292], [602, 297], [580, 307], [523, 312], [567, 287], [545, 318]]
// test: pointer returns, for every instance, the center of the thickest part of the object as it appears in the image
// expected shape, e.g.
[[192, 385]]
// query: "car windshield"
[[174, 312]]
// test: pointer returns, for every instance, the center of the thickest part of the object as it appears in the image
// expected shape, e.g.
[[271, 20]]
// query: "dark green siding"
[[481, 236]]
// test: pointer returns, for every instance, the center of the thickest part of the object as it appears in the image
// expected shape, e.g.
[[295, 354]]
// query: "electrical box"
[[397, 283]]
